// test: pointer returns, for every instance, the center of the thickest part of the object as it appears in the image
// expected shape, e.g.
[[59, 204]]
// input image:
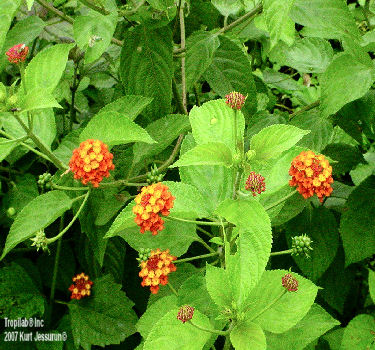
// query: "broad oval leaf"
[[213, 153], [358, 333], [248, 336], [273, 140], [46, 68], [114, 129], [48, 206]]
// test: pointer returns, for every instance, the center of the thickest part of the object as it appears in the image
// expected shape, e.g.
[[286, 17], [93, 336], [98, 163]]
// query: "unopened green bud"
[[11, 212], [40, 241], [237, 159], [250, 154], [301, 245], [12, 101]]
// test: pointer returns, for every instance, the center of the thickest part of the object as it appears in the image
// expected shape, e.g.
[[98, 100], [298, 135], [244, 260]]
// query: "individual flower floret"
[[17, 53], [91, 161], [311, 173], [81, 287], [153, 201], [255, 183], [235, 100], [155, 269], [185, 313], [289, 283]]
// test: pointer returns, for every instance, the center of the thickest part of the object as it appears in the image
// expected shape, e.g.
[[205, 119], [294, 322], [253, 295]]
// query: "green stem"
[[40, 154], [206, 245], [227, 343], [183, 45], [304, 109], [72, 114], [214, 331], [123, 182], [92, 6], [283, 252], [280, 200], [40, 145], [61, 302], [66, 188], [204, 223], [196, 257], [172, 288], [53, 239], [200, 229]]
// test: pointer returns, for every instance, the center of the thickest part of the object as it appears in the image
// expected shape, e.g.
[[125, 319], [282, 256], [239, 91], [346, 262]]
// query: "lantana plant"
[[187, 174]]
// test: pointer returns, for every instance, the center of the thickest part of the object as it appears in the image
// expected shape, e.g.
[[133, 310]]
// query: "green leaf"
[[68, 144], [169, 238], [278, 22], [330, 20], [248, 336], [37, 99], [357, 226], [325, 240], [358, 333], [214, 121], [213, 153], [146, 67], [104, 318], [19, 297], [49, 207], [164, 131], [6, 146], [200, 49], [25, 32], [254, 244], [93, 32], [46, 68], [346, 157], [307, 55], [227, 7], [371, 284], [130, 105], [273, 140], [154, 313], [194, 292], [346, 79], [161, 5], [188, 203], [8, 9], [231, 70], [214, 182], [275, 309], [114, 129], [163, 334], [316, 322], [217, 282], [321, 130]]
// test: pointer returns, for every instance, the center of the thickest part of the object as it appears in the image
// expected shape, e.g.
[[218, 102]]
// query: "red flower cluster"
[[17, 53], [289, 283], [185, 313], [235, 100], [255, 183], [152, 200], [311, 173], [91, 161], [156, 268], [81, 287]]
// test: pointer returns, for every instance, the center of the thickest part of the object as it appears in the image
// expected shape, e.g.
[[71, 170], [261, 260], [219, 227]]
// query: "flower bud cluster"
[[40, 241], [44, 181], [301, 245], [153, 176], [144, 254]]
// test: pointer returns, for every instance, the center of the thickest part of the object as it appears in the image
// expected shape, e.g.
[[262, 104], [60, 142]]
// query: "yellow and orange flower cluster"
[[152, 201], [311, 173], [156, 269], [91, 161], [81, 287]]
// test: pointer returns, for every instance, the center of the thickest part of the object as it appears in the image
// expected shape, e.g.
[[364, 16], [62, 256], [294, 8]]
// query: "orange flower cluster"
[[152, 200], [17, 53], [81, 287], [311, 173], [91, 161], [155, 270]]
